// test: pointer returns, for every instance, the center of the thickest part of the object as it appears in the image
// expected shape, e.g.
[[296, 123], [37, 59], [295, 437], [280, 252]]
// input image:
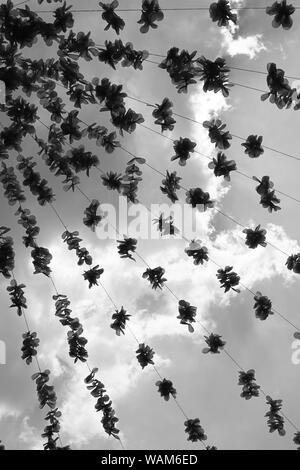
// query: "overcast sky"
[[206, 385]]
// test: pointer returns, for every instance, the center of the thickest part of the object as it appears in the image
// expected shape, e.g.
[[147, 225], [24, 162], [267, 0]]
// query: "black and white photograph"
[[149, 229]]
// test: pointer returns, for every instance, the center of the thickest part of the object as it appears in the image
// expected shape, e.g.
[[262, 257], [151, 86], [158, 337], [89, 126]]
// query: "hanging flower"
[[151, 13], [7, 254], [282, 14], [296, 440], [262, 307], [293, 263], [93, 275], [41, 260], [126, 246], [280, 92], [155, 277], [30, 343], [222, 166], [17, 296], [197, 197], [221, 12], [275, 419], [268, 198], [81, 160], [181, 68], [166, 389], [120, 317], [183, 148], [228, 279], [194, 430], [247, 381], [163, 114], [112, 181], [253, 146], [217, 135], [187, 314], [63, 18], [73, 241], [215, 75], [46, 393], [145, 355], [91, 219], [255, 237], [170, 185], [214, 343], [77, 345], [113, 20], [197, 252]]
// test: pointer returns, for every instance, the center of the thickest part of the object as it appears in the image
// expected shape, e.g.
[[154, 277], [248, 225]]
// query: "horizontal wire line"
[[123, 10]]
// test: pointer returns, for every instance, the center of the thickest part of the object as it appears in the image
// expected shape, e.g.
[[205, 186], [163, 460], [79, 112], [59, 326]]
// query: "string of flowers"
[[46, 393]]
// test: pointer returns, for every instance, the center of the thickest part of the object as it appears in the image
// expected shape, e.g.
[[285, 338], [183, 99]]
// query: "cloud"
[[234, 43]]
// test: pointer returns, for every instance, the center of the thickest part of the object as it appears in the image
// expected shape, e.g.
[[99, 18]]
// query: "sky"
[[206, 385]]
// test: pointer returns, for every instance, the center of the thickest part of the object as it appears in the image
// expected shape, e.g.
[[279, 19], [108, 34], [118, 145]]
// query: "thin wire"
[[163, 9], [255, 71]]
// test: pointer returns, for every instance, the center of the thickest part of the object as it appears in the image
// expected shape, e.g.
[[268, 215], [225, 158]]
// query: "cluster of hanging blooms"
[[197, 197], [151, 13], [17, 296], [222, 166], [228, 279], [165, 225], [262, 306], [120, 318], [166, 389], [170, 186], [293, 263], [282, 13], [114, 52], [37, 185], [275, 419], [103, 404], [215, 344], [296, 440], [51, 431], [268, 198], [217, 134], [255, 237], [198, 252], [132, 178], [280, 92], [194, 430], [29, 348], [183, 149], [187, 314], [253, 146], [92, 219], [109, 15], [93, 275], [7, 254], [76, 341], [73, 241], [214, 74], [144, 355], [247, 381], [155, 277], [46, 393], [163, 115], [127, 247], [221, 13]]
